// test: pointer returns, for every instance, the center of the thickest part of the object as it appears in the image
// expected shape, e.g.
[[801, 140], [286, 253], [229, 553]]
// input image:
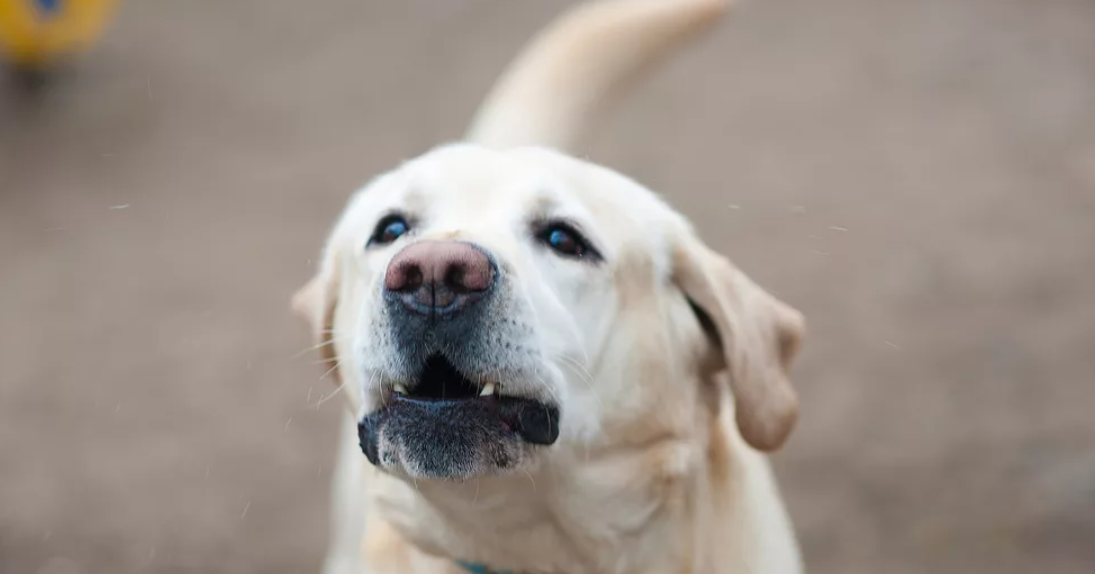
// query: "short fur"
[[669, 366]]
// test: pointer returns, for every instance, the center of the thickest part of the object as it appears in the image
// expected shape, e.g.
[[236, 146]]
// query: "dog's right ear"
[[316, 303], [757, 334]]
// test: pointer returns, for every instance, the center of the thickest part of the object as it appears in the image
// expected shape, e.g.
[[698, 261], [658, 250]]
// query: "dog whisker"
[[584, 375], [551, 392], [333, 368], [330, 341], [328, 397], [577, 364]]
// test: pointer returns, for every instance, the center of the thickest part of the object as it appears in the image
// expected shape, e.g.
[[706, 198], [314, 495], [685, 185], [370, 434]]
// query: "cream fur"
[[657, 468]]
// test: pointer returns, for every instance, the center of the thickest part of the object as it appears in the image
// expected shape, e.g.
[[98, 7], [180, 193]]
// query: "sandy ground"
[[918, 177]]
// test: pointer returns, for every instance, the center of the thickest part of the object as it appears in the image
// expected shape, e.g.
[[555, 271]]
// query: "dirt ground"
[[917, 177]]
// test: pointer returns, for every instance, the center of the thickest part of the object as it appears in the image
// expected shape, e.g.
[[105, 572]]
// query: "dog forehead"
[[477, 184], [536, 180], [468, 186]]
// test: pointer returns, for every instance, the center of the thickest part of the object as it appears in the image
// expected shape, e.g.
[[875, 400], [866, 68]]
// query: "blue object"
[[481, 569], [47, 6]]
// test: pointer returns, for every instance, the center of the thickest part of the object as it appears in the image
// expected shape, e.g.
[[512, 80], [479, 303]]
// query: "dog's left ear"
[[315, 303], [757, 334]]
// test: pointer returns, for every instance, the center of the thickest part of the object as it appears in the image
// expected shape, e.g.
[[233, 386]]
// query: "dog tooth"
[[487, 390], [400, 389]]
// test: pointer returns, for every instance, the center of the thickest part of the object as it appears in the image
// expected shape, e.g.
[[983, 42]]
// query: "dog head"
[[485, 309]]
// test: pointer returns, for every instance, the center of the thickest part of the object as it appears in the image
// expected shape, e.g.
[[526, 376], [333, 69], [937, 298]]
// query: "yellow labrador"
[[548, 371]]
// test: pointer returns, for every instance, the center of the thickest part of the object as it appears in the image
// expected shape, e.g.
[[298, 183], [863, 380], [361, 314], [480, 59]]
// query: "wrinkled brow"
[[544, 205], [548, 203], [397, 197]]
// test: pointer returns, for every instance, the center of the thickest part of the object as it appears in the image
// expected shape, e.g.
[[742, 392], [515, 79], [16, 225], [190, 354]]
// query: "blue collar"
[[481, 569], [474, 568]]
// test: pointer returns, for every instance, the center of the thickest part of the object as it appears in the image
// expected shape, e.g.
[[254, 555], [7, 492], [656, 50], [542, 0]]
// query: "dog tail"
[[563, 75]]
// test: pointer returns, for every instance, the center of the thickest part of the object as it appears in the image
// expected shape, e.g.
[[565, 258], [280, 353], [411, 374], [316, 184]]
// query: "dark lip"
[[459, 423], [534, 421], [491, 402]]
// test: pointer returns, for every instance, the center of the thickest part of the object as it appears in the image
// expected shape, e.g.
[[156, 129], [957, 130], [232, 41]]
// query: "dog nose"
[[439, 277]]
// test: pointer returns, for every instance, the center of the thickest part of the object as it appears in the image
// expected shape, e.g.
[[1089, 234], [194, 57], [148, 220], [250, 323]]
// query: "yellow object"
[[36, 33]]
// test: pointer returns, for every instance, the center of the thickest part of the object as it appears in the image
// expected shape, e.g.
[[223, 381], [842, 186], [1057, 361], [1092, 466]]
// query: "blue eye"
[[389, 229], [564, 240]]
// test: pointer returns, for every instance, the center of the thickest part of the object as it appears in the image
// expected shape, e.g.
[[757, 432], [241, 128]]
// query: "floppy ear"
[[757, 334], [315, 303]]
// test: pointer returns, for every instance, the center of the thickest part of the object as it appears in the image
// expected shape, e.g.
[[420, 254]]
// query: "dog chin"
[[456, 439]]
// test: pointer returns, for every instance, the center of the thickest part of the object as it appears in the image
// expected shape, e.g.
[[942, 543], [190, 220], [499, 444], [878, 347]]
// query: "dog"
[[546, 370]]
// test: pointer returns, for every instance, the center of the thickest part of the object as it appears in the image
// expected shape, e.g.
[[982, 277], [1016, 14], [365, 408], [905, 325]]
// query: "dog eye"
[[389, 229], [564, 240]]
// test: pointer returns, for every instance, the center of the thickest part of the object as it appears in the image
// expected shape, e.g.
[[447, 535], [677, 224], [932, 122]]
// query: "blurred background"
[[917, 177]]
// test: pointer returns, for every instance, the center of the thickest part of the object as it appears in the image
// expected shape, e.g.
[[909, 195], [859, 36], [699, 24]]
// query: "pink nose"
[[433, 277]]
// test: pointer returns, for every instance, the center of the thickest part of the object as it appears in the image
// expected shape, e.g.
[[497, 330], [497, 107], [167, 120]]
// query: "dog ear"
[[757, 334], [315, 303]]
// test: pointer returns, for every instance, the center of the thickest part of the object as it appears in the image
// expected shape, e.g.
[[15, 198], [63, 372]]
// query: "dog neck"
[[643, 493], [637, 509]]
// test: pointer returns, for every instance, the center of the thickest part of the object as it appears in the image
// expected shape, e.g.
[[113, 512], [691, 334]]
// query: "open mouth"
[[441, 381], [445, 424]]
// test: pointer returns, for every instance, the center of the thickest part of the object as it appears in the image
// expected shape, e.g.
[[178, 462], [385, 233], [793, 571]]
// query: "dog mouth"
[[441, 381], [446, 424]]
